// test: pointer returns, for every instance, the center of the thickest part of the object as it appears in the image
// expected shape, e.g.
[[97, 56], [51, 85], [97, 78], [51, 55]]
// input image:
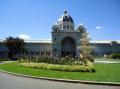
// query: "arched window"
[[67, 26]]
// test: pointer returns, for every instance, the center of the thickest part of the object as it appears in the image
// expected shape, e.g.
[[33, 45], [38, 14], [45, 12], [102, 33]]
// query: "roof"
[[50, 41], [38, 41], [105, 41]]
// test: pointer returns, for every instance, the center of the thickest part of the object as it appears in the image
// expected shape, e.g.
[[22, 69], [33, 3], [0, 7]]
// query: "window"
[[48, 53], [64, 27], [37, 53], [55, 49], [55, 38], [67, 26], [32, 53], [27, 53], [42, 53]]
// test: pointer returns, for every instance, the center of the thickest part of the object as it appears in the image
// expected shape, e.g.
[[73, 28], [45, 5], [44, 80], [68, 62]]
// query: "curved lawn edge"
[[64, 80], [98, 76]]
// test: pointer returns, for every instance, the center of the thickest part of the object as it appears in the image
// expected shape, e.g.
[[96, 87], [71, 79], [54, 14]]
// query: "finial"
[[65, 12]]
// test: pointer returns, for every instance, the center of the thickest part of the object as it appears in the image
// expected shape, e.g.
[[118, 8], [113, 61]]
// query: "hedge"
[[70, 68]]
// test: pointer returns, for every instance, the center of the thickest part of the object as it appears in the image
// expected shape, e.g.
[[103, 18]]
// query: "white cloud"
[[99, 27], [24, 36]]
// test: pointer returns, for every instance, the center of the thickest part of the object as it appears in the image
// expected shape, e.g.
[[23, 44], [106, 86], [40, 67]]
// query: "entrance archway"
[[68, 47]]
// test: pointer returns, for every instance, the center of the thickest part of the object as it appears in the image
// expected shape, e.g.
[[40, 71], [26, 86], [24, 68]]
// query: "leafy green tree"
[[14, 45]]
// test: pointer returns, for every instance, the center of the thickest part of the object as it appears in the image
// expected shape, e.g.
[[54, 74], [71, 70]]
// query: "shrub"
[[90, 58], [45, 59], [70, 68], [115, 56], [4, 59]]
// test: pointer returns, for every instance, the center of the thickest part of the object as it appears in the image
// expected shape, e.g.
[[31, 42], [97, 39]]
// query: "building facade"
[[65, 41]]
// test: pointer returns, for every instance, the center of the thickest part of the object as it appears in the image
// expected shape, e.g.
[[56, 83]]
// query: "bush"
[[115, 56], [70, 68], [4, 59], [44, 59]]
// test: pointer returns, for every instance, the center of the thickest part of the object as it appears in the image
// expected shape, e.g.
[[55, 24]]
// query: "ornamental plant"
[[85, 49]]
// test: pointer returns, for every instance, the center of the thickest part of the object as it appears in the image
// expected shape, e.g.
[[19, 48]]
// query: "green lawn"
[[104, 72]]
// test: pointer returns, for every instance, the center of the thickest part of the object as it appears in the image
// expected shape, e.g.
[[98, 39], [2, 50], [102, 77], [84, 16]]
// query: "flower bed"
[[70, 68]]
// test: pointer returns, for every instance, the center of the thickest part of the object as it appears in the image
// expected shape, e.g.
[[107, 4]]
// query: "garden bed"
[[70, 68]]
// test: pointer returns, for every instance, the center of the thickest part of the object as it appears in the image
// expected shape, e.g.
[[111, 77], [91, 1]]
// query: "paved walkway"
[[3, 62], [8, 81], [106, 62]]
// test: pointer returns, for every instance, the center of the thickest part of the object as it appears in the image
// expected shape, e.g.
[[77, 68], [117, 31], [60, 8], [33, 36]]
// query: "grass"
[[104, 72]]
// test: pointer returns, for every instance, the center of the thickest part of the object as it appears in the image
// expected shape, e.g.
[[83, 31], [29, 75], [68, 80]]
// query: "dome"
[[65, 18], [66, 22], [81, 28], [55, 27]]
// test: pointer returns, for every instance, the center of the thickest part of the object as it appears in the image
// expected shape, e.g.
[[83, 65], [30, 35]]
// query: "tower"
[[65, 38]]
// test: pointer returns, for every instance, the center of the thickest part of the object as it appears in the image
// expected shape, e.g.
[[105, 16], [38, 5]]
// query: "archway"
[[68, 47]]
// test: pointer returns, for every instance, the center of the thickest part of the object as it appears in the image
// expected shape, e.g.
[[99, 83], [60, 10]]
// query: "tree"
[[86, 49], [14, 46]]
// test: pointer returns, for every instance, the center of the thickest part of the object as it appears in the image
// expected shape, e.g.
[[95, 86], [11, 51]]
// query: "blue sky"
[[34, 18]]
